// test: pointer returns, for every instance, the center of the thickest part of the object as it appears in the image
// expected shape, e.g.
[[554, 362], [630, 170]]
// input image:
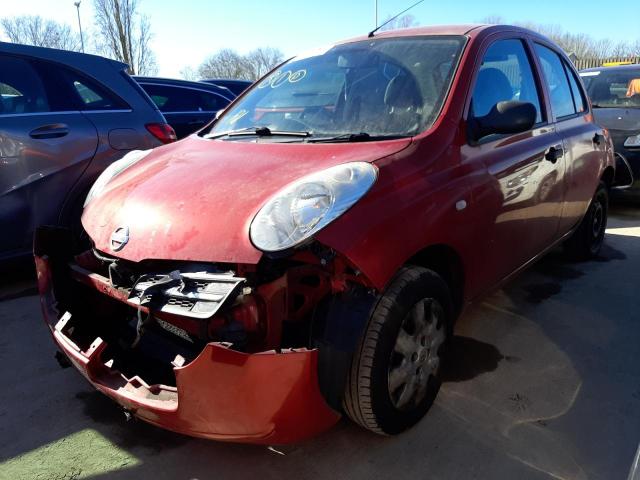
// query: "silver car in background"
[[64, 117]]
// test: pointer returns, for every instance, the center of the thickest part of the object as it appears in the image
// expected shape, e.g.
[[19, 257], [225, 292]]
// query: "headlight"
[[633, 142], [116, 168], [307, 205]]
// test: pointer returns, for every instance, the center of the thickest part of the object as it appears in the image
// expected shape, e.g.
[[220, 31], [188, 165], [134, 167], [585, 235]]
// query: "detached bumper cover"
[[264, 398]]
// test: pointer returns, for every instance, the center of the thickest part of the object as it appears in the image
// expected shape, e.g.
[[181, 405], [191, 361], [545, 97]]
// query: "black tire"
[[369, 398], [587, 240]]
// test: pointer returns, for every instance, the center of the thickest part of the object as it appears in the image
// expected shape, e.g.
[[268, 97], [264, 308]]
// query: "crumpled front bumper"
[[265, 398]]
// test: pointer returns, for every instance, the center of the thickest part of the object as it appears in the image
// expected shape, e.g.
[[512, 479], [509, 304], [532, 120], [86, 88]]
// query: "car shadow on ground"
[[541, 381]]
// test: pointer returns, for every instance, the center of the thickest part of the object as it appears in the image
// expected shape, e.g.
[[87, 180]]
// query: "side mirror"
[[505, 117]]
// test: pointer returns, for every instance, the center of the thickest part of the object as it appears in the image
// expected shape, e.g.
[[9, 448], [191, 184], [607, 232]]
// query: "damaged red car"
[[307, 253]]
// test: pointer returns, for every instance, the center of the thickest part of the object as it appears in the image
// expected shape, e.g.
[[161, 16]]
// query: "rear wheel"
[[587, 240], [395, 373]]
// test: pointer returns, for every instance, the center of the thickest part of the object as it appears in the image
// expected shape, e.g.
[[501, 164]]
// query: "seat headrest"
[[492, 87]]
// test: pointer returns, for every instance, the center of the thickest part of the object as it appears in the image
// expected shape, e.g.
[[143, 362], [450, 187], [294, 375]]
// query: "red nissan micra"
[[307, 253]]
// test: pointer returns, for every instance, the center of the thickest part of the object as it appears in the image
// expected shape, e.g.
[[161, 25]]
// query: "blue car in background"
[[236, 86], [187, 106], [64, 117]]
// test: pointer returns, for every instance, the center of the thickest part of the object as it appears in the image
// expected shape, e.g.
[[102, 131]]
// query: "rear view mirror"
[[505, 117]]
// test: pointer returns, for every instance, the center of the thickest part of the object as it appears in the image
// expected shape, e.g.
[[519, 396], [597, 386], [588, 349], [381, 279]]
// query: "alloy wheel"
[[416, 354]]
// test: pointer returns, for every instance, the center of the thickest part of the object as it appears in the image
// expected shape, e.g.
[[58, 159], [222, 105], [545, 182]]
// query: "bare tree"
[[124, 34], [226, 63], [404, 21], [189, 73], [493, 20], [262, 60], [580, 44], [622, 49], [34, 30]]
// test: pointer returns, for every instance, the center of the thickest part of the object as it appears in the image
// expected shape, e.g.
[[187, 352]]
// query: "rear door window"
[[69, 90], [21, 88], [90, 94], [557, 82], [93, 97], [172, 99], [505, 74]]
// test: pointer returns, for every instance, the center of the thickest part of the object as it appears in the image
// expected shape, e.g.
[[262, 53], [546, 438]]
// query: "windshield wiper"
[[259, 132], [355, 137]]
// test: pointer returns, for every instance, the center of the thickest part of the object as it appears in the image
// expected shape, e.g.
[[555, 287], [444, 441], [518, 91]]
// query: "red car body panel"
[[203, 213], [266, 398], [494, 207]]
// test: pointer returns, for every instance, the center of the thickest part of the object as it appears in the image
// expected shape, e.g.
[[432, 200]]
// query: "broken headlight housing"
[[307, 205], [113, 170]]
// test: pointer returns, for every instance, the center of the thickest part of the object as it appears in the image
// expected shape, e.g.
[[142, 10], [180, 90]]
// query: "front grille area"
[[180, 303], [193, 294]]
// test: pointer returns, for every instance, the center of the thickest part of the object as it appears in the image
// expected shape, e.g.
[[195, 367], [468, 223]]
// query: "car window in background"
[[393, 86], [505, 74], [580, 102], [613, 88], [69, 90], [179, 99], [557, 82], [92, 95], [21, 89]]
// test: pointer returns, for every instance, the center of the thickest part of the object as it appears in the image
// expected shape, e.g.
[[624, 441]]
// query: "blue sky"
[[186, 31]]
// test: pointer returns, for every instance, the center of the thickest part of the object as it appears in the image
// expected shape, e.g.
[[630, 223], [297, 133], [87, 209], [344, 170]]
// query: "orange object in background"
[[634, 87]]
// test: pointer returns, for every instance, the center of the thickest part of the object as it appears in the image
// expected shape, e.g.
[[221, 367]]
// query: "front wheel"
[[587, 240], [395, 373]]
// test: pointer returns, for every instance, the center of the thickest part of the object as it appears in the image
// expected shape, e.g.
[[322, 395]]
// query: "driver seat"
[[492, 86]]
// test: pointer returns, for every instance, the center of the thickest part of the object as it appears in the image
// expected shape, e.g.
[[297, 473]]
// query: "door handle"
[[554, 153], [56, 130], [598, 138]]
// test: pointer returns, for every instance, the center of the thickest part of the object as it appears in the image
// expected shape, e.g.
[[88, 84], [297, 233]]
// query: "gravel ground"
[[545, 384]]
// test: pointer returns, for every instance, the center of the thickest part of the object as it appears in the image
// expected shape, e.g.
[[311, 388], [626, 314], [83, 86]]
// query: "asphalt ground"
[[544, 383]]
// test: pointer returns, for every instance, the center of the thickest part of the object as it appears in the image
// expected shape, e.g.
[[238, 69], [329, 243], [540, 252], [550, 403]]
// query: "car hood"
[[625, 119], [195, 199]]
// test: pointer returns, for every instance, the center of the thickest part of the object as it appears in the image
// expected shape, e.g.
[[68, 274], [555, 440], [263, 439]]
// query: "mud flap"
[[338, 327]]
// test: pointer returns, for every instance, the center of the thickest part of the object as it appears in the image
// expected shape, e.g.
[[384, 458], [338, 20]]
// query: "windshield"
[[380, 87], [613, 88]]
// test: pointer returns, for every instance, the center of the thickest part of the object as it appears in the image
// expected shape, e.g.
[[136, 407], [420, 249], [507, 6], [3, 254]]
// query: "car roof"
[[74, 59], [471, 30], [616, 68], [184, 83]]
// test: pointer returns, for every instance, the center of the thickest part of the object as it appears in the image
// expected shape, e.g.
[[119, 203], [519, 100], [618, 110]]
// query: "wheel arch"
[[608, 175], [446, 262]]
